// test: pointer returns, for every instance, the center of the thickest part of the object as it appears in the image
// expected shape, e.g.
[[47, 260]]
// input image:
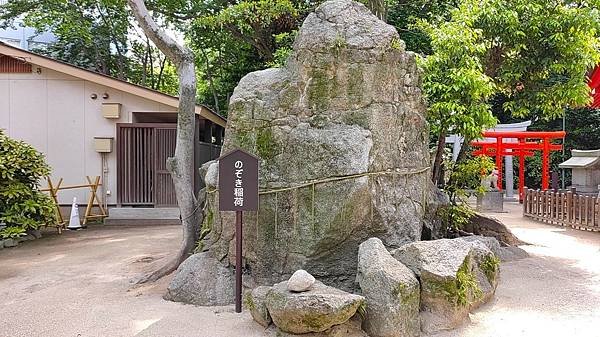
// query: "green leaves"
[[539, 53], [22, 205], [454, 81]]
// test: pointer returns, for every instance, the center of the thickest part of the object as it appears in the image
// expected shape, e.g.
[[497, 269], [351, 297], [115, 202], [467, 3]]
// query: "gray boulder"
[[36, 233], [486, 270], [488, 226], [351, 328], [255, 301], [315, 310], [449, 285], [342, 138], [392, 292], [505, 254], [8, 243], [300, 281], [202, 280]]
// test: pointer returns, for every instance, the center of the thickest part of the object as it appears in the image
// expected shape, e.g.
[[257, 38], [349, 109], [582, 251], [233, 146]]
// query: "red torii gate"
[[527, 143]]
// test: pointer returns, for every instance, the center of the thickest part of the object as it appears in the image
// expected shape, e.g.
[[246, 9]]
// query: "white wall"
[[55, 113]]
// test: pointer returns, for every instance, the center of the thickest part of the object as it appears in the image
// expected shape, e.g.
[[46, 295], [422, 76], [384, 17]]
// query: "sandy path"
[[78, 284]]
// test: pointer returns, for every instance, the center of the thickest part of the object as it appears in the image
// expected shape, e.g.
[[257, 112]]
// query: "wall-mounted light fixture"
[[93, 96], [105, 95]]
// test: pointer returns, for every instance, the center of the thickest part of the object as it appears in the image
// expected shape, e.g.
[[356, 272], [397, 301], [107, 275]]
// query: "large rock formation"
[[342, 138], [392, 292]]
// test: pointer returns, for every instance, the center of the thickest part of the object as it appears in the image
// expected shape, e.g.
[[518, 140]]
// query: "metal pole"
[[238, 261]]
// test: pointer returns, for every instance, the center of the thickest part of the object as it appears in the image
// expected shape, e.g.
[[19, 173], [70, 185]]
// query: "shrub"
[[22, 205], [464, 181]]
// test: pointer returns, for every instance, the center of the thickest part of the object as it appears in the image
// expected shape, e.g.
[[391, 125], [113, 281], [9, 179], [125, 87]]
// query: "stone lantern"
[[585, 166]]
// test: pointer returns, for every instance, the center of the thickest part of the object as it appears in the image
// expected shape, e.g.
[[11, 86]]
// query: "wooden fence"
[[563, 208]]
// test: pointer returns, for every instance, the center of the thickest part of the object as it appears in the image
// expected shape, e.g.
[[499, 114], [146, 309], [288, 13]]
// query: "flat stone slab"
[[315, 310]]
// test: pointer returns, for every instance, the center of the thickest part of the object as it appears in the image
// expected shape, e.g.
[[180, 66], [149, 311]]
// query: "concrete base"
[[142, 216], [491, 201]]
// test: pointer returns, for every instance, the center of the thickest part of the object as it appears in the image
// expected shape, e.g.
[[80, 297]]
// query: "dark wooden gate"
[[142, 176]]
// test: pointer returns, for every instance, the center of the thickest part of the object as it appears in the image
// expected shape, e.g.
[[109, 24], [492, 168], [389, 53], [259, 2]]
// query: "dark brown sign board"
[[238, 191], [238, 181]]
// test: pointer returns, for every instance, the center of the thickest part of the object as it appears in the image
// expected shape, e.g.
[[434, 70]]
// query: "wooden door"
[[164, 190], [142, 176]]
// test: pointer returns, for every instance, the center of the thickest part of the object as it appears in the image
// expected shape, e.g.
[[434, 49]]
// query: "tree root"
[[165, 270]]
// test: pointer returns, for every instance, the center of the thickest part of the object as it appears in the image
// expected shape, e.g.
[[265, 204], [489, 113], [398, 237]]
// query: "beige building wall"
[[55, 113]]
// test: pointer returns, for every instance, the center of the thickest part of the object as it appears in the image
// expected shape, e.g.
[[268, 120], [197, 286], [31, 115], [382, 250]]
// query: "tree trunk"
[[182, 163], [379, 8], [436, 171]]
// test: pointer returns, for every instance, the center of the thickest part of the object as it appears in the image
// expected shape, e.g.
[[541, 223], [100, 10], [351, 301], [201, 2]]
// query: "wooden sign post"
[[238, 191]]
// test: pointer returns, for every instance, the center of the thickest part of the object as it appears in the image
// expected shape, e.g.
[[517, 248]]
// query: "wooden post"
[[238, 261], [60, 222], [587, 210], [545, 163], [93, 197], [552, 203], [594, 212], [499, 161]]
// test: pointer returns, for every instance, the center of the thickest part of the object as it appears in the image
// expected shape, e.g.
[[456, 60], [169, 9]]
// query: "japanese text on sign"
[[238, 190]]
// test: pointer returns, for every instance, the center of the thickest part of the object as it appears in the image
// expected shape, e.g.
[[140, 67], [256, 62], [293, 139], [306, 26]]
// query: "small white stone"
[[300, 281]]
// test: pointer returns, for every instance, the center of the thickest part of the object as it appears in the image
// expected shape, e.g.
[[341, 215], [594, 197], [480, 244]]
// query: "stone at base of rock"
[[450, 277], [315, 310], [392, 292], [349, 329], [36, 233], [10, 243], [254, 301], [505, 254], [202, 280], [512, 254], [300, 281], [487, 226], [432, 321]]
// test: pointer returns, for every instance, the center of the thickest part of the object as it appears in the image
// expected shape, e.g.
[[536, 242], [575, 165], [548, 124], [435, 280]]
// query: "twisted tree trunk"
[[182, 163]]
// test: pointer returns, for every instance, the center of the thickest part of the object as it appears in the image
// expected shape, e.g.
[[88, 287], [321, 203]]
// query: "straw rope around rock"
[[402, 172], [313, 183]]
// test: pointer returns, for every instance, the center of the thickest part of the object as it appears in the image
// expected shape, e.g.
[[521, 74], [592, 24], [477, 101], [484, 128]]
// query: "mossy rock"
[[449, 277], [392, 292], [316, 310], [254, 301]]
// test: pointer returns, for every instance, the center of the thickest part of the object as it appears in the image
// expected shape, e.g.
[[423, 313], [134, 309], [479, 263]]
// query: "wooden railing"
[[563, 208]]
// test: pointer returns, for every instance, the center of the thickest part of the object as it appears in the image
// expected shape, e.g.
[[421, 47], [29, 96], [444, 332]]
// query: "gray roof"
[[582, 159]]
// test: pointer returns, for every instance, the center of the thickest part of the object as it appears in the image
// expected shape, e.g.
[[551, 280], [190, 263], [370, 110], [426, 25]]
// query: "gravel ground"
[[79, 284]]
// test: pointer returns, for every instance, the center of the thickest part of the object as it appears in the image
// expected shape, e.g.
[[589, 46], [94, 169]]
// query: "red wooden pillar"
[[499, 150], [521, 173], [545, 163]]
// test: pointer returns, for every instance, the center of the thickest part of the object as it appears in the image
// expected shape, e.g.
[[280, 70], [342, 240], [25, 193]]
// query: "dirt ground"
[[79, 284]]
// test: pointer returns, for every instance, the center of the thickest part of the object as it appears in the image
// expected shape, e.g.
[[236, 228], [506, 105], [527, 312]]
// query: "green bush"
[[22, 205], [464, 181]]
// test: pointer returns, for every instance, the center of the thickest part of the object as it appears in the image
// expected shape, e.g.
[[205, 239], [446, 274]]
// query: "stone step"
[[143, 216]]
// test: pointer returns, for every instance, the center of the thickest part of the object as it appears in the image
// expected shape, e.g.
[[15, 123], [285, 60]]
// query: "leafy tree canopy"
[[96, 35]]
